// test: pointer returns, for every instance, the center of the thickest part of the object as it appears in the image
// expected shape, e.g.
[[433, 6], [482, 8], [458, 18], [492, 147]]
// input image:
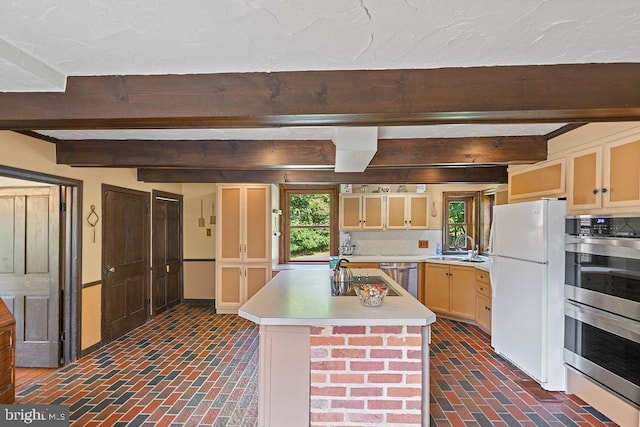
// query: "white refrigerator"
[[527, 281]]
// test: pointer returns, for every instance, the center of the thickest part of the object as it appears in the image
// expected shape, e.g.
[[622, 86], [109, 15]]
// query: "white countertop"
[[447, 259], [303, 297]]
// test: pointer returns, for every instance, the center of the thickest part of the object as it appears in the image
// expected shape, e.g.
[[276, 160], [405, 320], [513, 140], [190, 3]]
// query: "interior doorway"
[[40, 277], [125, 261], [167, 276]]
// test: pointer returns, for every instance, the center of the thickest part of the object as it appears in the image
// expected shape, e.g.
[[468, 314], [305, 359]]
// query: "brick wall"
[[366, 375]]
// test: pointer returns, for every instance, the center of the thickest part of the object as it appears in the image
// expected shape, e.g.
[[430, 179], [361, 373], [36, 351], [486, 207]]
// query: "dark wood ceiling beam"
[[471, 150], [282, 154], [505, 94], [195, 154], [492, 174]]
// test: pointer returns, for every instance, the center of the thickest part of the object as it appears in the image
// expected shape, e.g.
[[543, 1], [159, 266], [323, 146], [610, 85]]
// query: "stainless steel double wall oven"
[[602, 302]]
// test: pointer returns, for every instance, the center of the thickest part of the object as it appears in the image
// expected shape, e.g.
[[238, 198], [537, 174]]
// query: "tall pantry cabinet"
[[243, 243]]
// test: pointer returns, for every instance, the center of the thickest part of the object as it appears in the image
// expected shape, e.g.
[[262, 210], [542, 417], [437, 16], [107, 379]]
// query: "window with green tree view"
[[460, 219], [308, 223]]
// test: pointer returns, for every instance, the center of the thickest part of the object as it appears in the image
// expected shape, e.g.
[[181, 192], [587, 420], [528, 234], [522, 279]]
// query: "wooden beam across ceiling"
[[502, 94], [222, 154], [486, 174]]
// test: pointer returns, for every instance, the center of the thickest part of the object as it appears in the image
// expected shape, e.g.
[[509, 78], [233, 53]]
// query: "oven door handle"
[[606, 246], [618, 325]]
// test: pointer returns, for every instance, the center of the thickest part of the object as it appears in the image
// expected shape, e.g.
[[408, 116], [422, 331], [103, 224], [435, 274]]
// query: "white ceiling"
[[43, 41]]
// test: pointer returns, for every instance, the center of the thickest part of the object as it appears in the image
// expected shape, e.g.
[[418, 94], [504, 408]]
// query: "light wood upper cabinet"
[[418, 208], [407, 211], [373, 212], [361, 212], [622, 174], [244, 212], [605, 178], [545, 179], [350, 212], [585, 184]]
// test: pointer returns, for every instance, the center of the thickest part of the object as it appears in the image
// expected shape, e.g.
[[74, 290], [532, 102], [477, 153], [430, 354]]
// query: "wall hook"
[[93, 219]]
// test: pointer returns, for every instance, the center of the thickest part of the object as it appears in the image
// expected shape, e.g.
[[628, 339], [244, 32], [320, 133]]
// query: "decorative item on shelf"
[[434, 212], [201, 219], [347, 188], [421, 188], [385, 189], [212, 218], [402, 188], [93, 219], [364, 188]]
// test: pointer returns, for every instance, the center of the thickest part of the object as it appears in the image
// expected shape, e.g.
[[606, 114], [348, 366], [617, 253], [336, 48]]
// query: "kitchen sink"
[[458, 258], [367, 280]]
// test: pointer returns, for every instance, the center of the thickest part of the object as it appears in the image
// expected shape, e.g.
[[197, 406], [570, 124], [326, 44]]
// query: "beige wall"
[[23, 152], [196, 242], [199, 276], [91, 314]]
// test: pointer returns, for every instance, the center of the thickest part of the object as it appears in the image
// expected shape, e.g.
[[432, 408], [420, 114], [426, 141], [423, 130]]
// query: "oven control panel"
[[603, 226]]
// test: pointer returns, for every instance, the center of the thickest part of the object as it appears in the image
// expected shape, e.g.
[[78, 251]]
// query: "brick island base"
[[344, 375]]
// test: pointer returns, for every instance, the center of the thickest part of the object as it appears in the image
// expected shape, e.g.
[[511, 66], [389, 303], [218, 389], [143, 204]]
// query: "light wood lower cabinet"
[[237, 283], [362, 265], [451, 290], [483, 301], [459, 292]]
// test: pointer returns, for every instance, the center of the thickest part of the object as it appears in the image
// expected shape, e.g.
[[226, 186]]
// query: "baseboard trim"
[[211, 302], [86, 351]]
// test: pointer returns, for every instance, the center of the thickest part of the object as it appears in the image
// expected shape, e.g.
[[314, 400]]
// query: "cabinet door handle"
[[604, 190], [595, 191]]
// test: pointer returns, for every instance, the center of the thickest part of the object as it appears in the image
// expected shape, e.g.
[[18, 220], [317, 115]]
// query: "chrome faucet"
[[474, 248]]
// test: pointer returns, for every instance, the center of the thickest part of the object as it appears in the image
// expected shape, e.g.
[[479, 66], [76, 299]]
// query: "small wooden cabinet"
[[605, 177], [243, 246], [360, 212], [544, 179], [362, 265], [376, 212], [451, 290], [483, 301], [7, 355], [407, 212]]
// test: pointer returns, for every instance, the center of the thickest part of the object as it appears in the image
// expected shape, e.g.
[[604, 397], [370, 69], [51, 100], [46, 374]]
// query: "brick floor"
[[191, 367]]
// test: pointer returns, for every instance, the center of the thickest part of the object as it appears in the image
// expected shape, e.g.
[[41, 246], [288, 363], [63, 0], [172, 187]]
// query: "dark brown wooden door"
[[167, 251], [29, 271], [125, 261]]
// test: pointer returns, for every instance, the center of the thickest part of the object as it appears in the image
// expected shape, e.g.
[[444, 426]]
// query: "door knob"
[[111, 269]]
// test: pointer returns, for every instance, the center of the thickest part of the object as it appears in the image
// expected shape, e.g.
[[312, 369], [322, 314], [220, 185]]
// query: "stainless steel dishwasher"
[[405, 273]]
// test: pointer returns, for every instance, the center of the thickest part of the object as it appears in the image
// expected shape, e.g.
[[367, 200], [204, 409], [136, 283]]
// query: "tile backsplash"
[[393, 242]]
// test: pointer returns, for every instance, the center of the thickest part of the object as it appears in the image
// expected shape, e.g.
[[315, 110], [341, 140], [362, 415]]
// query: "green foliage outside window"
[[457, 221], [309, 224]]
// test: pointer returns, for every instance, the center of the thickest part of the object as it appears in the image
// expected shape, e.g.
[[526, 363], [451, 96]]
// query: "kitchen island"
[[327, 360]]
